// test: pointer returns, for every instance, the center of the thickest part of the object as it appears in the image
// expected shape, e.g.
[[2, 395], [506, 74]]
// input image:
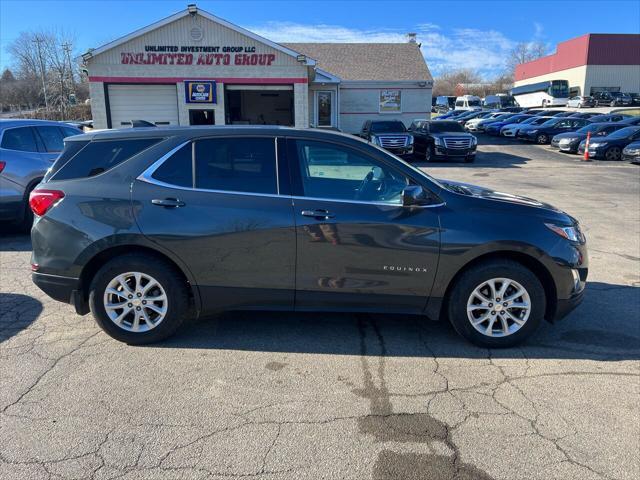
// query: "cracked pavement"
[[308, 396]]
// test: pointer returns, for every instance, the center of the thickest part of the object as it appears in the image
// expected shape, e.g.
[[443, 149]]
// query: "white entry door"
[[157, 104]]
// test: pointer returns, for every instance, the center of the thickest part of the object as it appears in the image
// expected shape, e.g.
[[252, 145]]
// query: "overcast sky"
[[454, 34]]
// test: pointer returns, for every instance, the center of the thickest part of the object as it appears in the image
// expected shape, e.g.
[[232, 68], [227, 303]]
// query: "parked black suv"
[[391, 135], [441, 139], [612, 99], [146, 227]]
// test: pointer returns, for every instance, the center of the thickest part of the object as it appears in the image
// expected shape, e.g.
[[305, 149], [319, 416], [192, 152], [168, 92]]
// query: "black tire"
[[25, 222], [469, 159], [542, 139], [428, 153], [475, 276], [613, 154], [172, 281]]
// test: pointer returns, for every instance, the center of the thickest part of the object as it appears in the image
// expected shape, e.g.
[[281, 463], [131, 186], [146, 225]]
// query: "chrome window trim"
[[146, 176]]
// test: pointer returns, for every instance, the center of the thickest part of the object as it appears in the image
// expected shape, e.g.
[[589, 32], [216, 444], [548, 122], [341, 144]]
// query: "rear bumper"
[[57, 287]]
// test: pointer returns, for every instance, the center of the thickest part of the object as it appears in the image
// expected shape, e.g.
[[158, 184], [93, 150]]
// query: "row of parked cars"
[[566, 131], [426, 140], [605, 99]]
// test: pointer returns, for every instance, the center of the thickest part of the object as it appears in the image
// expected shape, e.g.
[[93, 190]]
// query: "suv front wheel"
[[497, 304], [138, 299]]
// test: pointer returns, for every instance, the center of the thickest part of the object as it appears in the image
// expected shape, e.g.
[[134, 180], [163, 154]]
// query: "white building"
[[194, 68]]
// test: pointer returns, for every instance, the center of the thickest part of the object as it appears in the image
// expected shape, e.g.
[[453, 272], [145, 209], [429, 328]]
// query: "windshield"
[[540, 120], [559, 89], [624, 132], [474, 103], [387, 127], [550, 123], [439, 127], [520, 118]]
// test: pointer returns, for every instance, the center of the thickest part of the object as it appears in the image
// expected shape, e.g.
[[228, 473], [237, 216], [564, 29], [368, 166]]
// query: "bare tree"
[[446, 83], [525, 52], [43, 58]]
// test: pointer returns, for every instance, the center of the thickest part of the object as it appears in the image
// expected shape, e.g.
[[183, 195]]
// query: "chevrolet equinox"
[[148, 227]]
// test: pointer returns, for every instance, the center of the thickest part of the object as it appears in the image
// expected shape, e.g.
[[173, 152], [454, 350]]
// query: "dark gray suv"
[[147, 227]]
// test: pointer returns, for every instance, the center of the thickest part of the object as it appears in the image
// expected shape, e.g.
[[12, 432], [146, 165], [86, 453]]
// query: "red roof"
[[589, 49]]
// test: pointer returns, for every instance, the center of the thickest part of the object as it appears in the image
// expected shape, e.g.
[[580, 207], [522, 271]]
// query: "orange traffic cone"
[[586, 148]]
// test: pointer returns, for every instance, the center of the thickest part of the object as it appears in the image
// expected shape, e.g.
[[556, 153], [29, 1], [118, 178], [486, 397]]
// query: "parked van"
[[468, 102], [444, 104]]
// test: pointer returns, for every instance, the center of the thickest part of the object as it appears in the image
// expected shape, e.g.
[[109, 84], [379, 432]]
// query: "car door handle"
[[320, 214], [168, 202]]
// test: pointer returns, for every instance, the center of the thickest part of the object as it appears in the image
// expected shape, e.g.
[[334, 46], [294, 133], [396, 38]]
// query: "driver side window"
[[335, 172]]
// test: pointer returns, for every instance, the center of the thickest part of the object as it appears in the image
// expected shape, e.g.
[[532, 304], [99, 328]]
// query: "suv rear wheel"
[[138, 299], [497, 304]]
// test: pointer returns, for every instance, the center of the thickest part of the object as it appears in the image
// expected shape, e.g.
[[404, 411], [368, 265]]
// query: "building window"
[[325, 113], [390, 101]]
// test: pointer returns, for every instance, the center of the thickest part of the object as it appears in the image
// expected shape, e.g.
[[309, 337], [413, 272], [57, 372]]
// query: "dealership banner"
[[200, 92]]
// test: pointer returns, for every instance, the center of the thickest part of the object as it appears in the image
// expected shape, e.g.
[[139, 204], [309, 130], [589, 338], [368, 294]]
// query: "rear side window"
[[237, 165], [99, 156], [52, 138], [21, 139], [177, 170], [71, 148]]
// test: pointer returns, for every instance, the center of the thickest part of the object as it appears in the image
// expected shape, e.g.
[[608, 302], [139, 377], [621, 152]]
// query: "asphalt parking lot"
[[307, 396]]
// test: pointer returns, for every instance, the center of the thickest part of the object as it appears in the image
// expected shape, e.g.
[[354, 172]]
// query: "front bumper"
[[443, 152], [565, 306], [626, 157], [408, 150], [568, 147]]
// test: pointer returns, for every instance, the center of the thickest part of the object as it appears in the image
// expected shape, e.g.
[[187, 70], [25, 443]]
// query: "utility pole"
[[38, 41], [67, 50]]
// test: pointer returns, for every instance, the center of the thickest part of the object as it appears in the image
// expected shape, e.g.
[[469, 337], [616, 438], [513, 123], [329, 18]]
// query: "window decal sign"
[[199, 91], [390, 101]]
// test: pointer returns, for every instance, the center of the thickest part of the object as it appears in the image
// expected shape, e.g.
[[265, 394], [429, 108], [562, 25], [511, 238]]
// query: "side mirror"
[[413, 195]]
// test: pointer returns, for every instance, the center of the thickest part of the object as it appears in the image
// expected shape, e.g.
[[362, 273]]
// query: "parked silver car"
[[27, 150], [581, 101]]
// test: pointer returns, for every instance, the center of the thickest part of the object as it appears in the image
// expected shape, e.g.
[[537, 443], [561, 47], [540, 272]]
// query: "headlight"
[[570, 233], [410, 141], [598, 144], [438, 141], [567, 140], [533, 131], [375, 140], [474, 140]]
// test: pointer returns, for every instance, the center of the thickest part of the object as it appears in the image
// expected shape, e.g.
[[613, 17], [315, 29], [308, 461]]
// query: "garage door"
[[154, 103]]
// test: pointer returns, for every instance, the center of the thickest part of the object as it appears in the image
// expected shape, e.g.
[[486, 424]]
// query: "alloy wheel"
[[612, 154], [498, 307], [135, 302], [542, 138]]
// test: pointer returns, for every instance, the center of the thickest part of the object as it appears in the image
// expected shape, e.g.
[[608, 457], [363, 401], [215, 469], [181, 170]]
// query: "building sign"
[[197, 55], [200, 92], [390, 101]]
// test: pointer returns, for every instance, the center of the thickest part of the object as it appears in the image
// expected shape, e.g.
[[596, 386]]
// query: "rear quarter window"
[[98, 157], [21, 139]]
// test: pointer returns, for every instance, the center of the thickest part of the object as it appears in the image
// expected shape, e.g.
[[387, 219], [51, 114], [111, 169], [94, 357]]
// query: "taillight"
[[2, 165], [42, 200]]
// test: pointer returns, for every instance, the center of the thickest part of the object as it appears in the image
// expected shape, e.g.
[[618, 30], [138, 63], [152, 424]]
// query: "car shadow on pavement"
[[483, 160], [12, 239], [604, 327], [17, 312]]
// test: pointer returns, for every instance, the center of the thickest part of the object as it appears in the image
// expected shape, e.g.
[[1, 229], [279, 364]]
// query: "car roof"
[[27, 122], [206, 131]]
